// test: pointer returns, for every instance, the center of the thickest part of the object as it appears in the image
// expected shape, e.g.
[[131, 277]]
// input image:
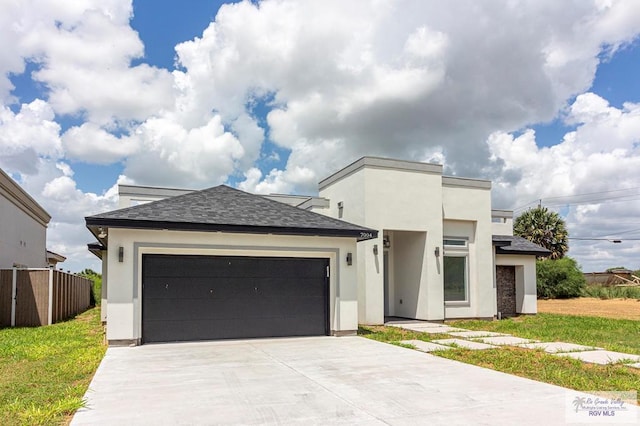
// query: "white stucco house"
[[384, 238], [441, 253], [23, 227], [223, 263]]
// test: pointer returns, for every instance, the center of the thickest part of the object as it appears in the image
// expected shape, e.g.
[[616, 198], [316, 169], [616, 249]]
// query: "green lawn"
[[612, 334], [45, 371]]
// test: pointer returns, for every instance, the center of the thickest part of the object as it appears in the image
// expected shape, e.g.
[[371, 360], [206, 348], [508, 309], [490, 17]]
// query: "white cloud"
[[401, 78], [174, 156], [422, 80], [103, 148], [84, 53], [597, 159], [28, 135]]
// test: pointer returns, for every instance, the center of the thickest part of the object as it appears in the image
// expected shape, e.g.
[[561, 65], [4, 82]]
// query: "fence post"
[[50, 309], [14, 294]]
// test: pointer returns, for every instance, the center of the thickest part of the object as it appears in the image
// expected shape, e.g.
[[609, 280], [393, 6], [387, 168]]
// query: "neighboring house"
[[54, 258], [23, 227], [222, 263]]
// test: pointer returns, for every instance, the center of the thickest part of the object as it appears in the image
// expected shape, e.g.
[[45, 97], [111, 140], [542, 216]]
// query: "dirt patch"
[[589, 306]]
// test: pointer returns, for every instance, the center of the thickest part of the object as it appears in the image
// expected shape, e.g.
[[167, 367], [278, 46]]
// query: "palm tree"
[[545, 228]]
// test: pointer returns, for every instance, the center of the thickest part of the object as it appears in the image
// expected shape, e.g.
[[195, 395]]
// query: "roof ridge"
[[223, 207]]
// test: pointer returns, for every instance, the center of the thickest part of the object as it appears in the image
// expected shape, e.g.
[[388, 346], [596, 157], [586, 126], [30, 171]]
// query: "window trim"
[[457, 250]]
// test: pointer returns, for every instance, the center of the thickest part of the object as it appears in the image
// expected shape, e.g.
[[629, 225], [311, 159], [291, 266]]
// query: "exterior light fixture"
[[386, 242], [437, 252], [120, 254], [375, 249], [349, 259], [101, 233]]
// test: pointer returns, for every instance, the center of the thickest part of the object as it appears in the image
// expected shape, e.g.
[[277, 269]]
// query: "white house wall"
[[467, 214], [526, 296], [407, 274], [401, 200], [23, 237], [124, 316], [416, 207], [398, 200], [104, 302], [502, 222]]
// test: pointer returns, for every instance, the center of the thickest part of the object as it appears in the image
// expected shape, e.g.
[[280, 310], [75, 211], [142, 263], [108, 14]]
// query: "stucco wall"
[[124, 317], [408, 271], [417, 208], [23, 239], [397, 200], [526, 297], [467, 213], [502, 228]]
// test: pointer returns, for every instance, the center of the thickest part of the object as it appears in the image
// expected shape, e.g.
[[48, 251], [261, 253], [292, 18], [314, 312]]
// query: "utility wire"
[[579, 203], [588, 201], [592, 193]]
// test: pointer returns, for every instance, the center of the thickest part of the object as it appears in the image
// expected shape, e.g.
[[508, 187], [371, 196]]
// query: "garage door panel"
[[228, 328], [256, 308], [215, 297], [172, 267], [191, 287], [181, 288]]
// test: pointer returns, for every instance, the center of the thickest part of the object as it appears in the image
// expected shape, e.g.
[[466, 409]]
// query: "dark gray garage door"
[[223, 297]]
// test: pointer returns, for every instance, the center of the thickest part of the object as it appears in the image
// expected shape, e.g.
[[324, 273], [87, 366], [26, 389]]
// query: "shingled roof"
[[226, 209], [511, 244]]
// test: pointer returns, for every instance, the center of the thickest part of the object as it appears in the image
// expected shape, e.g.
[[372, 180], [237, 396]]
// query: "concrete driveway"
[[310, 381]]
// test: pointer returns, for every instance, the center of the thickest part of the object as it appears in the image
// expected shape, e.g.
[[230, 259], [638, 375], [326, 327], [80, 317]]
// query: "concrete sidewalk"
[[310, 381]]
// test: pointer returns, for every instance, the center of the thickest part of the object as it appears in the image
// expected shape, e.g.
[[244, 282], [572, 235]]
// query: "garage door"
[[218, 297]]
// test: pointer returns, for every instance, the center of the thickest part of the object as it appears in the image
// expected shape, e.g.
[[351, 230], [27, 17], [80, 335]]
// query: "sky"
[[541, 97]]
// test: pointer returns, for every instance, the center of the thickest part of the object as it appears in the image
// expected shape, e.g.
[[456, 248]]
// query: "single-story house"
[[383, 238], [222, 263], [23, 228], [441, 252]]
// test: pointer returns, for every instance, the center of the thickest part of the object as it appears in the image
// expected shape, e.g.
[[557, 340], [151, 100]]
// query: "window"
[[456, 253], [454, 242], [455, 278]]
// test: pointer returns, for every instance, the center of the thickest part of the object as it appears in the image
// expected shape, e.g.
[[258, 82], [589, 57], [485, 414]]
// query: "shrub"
[[96, 288], [559, 278], [603, 292]]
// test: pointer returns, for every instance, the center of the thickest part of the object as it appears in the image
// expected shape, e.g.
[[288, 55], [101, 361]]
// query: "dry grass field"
[[589, 306]]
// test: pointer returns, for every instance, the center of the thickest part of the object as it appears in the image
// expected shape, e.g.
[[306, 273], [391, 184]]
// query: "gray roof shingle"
[[511, 244], [223, 208]]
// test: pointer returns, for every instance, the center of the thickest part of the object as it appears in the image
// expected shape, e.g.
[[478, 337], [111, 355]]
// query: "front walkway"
[[490, 340]]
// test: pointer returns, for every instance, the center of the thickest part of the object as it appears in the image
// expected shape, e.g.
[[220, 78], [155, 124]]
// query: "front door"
[[506, 290]]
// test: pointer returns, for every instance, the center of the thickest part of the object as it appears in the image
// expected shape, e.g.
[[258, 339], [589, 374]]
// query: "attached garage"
[[225, 264], [223, 297]]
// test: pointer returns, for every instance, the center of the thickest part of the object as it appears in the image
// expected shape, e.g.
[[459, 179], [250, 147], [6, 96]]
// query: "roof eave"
[[500, 250], [96, 249], [360, 234]]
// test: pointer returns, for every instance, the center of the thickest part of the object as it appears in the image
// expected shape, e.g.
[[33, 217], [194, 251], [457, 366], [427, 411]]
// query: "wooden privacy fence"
[[34, 297]]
